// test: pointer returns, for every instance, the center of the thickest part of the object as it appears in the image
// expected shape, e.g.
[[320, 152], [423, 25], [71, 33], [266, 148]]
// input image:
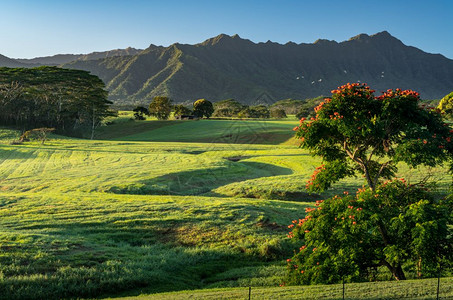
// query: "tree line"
[[161, 108], [71, 101]]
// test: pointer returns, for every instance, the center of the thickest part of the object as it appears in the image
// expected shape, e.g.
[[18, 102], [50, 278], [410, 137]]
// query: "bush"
[[140, 113]]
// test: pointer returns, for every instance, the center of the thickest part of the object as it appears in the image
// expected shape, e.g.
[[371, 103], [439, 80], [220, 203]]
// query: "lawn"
[[154, 207]]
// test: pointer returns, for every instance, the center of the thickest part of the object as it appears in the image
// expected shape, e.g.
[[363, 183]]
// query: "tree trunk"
[[419, 268], [397, 271]]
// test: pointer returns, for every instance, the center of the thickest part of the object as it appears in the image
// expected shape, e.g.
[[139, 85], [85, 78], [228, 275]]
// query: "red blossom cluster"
[[397, 93], [336, 116], [313, 176], [355, 89], [320, 105]]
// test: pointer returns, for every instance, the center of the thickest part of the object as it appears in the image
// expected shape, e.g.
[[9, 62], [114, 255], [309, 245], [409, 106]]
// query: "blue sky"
[[48, 27]]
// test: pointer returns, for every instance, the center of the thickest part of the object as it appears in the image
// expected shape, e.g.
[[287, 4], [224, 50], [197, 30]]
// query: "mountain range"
[[232, 67]]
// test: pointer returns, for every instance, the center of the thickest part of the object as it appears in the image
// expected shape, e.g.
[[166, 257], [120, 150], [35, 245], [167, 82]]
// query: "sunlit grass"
[[81, 218]]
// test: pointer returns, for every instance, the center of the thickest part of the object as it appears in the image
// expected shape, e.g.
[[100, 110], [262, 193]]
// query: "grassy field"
[[410, 289], [153, 207]]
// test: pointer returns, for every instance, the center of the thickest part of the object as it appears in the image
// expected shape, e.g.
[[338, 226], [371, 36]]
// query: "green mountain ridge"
[[232, 67], [56, 60]]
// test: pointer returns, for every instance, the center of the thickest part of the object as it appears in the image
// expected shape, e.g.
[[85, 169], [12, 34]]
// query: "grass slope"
[[83, 218], [202, 131]]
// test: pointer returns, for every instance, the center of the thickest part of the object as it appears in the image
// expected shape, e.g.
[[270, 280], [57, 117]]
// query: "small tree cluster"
[[71, 101], [181, 110], [255, 112], [233, 109]]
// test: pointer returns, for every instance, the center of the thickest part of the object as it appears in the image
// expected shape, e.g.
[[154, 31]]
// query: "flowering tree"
[[354, 131], [390, 224], [398, 225]]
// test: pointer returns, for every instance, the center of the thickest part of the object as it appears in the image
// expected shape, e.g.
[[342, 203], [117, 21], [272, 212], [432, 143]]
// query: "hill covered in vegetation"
[[226, 67], [231, 67]]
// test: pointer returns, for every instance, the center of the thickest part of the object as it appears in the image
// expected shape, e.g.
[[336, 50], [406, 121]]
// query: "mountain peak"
[[381, 37], [223, 40], [360, 37], [384, 33], [324, 42]]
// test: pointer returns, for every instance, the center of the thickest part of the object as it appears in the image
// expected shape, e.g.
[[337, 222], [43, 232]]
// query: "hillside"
[[259, 73], [231, 67], [11, 63]]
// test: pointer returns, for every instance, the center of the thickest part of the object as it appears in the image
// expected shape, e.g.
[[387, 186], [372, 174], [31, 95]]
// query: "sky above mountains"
[[47, 27]]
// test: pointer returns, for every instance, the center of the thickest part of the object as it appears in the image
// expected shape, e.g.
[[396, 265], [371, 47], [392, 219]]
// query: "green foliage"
[[227, 108], [255, 112], [290, 106], [68, 100], [306, 110], [278, 113], [203, 108], [160, 107], [397, 225], [446, 105], [180, 110], [370, 135], [140, 113]]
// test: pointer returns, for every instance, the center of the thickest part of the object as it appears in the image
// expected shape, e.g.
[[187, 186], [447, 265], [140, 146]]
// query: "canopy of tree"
[[180, 110], [227, 108], [203, 108], [160, 107], [354, 131], [68, 100]]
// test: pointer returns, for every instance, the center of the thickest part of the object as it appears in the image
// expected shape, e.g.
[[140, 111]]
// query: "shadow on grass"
[[198, 182]]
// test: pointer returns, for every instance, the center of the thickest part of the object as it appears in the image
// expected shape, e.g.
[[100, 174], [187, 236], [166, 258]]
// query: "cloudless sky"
[[46, 27]]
